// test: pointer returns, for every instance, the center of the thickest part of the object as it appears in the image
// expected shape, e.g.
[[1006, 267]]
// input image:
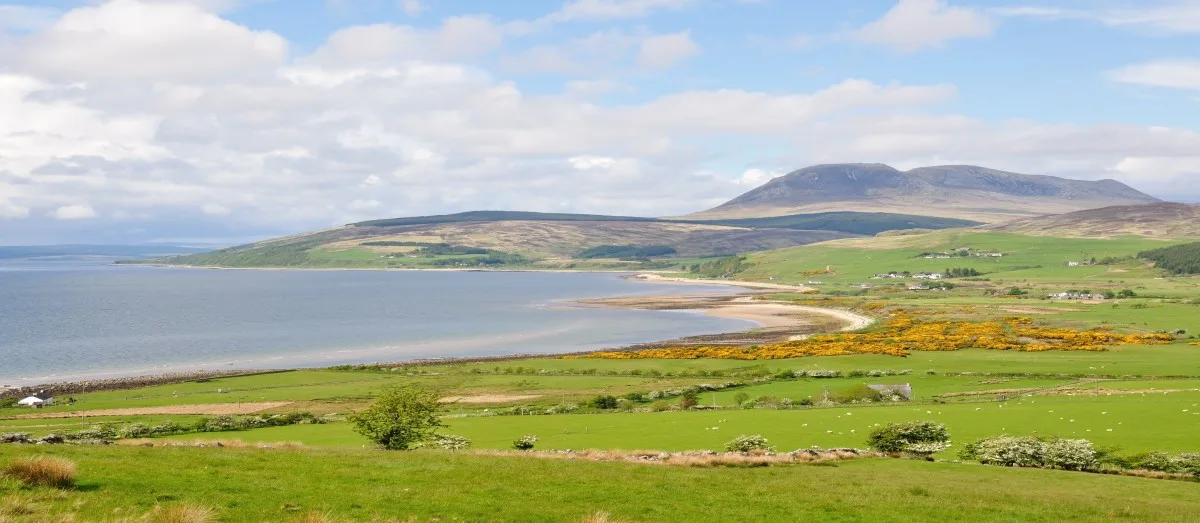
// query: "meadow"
[[116, 483]]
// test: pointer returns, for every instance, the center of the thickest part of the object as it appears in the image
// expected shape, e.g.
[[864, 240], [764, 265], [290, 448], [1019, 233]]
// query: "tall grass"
[[43, 471], [180, 513]]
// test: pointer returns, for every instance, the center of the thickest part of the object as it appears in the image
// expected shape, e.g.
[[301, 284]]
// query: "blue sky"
[[227, 120]]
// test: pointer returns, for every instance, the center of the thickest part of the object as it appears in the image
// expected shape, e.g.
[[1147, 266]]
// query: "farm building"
[[37, 401]]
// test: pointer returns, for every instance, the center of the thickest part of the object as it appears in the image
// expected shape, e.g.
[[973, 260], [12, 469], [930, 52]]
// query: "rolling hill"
[[1158, 220], [953, 191], [545, 240]]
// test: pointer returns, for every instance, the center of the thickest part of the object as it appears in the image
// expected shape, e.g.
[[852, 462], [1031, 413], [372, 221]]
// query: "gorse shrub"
[[913, 437], [525, 442], [43, 471], [748, 443]]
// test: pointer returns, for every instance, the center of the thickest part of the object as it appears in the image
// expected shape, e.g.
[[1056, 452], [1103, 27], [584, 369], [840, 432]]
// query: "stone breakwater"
[[132, 382]]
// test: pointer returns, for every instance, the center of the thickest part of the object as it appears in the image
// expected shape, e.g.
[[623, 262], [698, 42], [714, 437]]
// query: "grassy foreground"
[[277, 485]]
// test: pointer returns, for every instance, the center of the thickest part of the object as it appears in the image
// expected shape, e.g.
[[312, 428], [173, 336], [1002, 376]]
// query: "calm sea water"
[[66, 320]]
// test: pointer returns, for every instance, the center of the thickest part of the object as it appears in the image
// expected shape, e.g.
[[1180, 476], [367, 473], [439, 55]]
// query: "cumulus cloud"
[[1177, 74], [912, 25], [74, 212], [755, 177], [663, 51], [150, 41]]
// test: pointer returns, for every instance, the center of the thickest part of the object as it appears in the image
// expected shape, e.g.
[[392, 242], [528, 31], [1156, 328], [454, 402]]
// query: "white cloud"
[[1177, 74], [755, 177], [614, 9], [150, 41], [411, 7], [215, 209], [1176, 17], [11, 210], [457, 37], [74, 212], [912, 25], [364, 205], [664, 51]]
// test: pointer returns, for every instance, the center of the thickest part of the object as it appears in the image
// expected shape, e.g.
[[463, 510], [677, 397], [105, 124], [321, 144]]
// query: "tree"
[[399, 418], [604, 401], [689, 399]]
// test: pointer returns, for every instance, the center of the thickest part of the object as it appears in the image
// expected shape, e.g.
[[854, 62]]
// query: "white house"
[[37, 401]]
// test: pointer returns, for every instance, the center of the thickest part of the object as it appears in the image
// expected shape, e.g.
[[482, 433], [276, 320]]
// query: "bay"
[[89, 319]]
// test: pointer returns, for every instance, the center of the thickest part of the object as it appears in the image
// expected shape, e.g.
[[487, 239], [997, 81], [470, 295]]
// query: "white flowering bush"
[[447, 441], [913, 437], [1070, 454], [525, 442], [1011, 451], [748, 443], [824, 373]]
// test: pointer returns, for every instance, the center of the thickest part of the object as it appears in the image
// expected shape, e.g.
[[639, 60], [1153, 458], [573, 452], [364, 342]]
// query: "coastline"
[[776, 322]]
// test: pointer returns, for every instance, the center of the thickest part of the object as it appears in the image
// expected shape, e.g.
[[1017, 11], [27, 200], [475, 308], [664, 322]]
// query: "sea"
[[90, 319]]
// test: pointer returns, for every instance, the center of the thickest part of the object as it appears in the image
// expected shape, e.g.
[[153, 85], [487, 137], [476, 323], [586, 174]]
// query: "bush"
[[913, 437], [95, 432], [136, 430], [748, 443], [689, 399], [43, 471], [740, 398], [525, 442], [856, 394], [636, 397], [660, 406], [604, 401], [1011, 451], [401, 417], [445, 441], [1070, 454]]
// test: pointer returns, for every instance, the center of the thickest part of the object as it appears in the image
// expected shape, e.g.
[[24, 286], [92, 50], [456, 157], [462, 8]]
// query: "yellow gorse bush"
[[904, 334]]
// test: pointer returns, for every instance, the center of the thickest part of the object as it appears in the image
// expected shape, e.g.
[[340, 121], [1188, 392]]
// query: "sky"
[[223, 121]]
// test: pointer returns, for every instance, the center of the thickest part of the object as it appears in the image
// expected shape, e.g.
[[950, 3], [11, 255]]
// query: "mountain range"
[[953, 191]]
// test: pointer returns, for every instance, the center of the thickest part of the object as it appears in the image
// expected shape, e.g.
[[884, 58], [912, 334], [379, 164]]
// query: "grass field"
[[276, 485]]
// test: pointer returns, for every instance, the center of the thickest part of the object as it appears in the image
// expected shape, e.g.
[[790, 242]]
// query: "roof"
[[31, 400]]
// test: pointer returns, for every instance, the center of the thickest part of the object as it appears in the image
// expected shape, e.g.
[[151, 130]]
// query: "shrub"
[[525, 442], [857, 393], [1070, 454], [689, 399], [914, 437], [748, 443], [401, 417], [740, 398], [166, 428], [636, 397], [136, 430], [216, 424], [43, 471], [604, 401], [1011, 451], [102, 431], [445, 441]]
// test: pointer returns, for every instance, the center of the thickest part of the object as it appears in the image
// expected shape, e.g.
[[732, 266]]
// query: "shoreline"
[[776, 322]]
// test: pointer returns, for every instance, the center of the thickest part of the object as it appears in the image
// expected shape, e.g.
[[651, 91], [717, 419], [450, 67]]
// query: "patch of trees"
[[638, 252], [497, 258], [962, 272], [720, 268], [1180, 259]]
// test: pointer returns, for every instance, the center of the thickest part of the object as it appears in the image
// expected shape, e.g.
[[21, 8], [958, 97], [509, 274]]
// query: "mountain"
[[547, 240], [1158, 220], [953, 191]]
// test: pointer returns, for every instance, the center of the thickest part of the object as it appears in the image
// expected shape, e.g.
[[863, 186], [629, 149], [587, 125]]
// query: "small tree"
[[740, 398], [525, 442], [689, 399], [399, 418], [604, 401]]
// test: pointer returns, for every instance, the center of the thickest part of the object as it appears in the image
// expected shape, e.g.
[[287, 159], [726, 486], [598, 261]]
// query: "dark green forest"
[[1180, 259]]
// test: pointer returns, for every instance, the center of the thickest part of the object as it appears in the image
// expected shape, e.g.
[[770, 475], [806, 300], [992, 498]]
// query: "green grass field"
[[277, 485]]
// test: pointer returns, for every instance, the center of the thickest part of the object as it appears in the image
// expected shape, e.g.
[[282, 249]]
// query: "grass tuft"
[[43, 471], [601, 517], [180, 513]]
